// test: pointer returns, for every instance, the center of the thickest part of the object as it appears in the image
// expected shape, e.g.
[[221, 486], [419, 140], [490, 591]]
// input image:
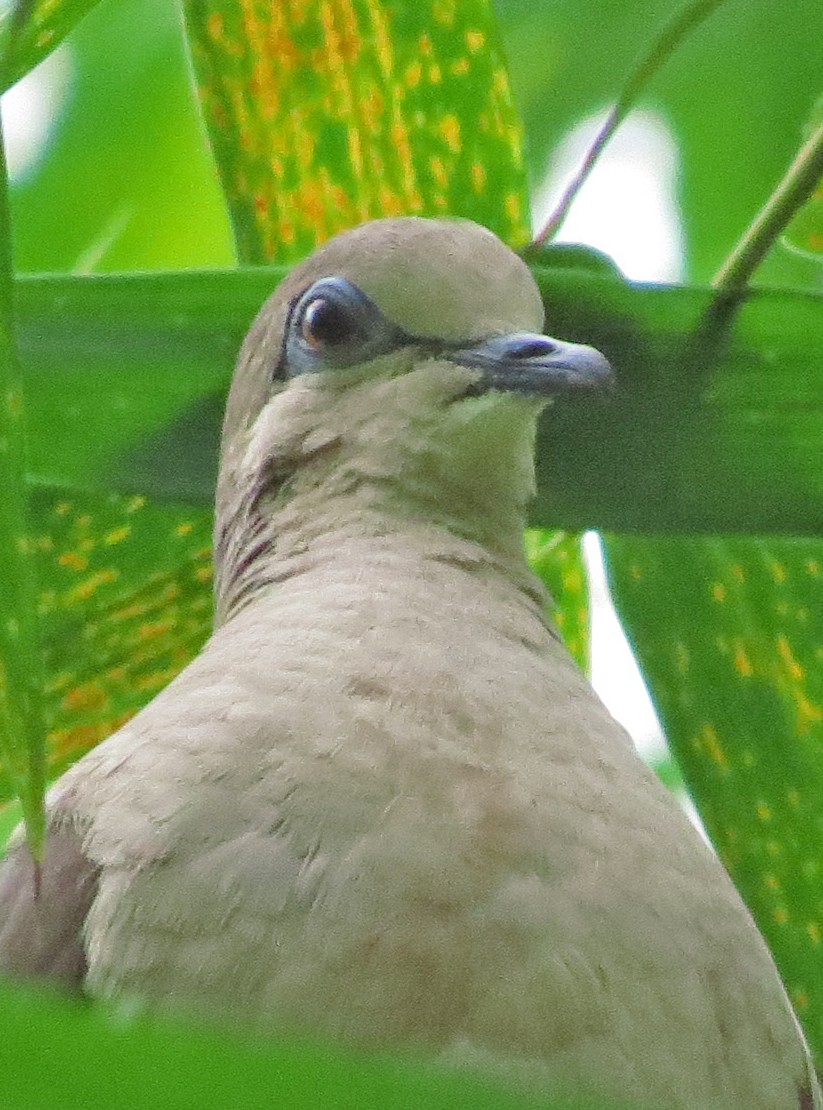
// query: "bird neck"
[[465, 480], [286, 546]]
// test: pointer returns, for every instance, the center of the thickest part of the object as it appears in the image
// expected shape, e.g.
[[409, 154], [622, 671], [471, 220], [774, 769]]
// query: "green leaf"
[[22, 734], [720, 434], [332, 112], [680, 446], [557, 558], [125, 603], [10, 818], [31, 29], [113, 1063], [805, 233], [144, 361], [728, 633], [126, 180]]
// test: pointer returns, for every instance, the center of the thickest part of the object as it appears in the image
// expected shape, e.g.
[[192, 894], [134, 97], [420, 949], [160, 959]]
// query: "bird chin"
[[482, 396]]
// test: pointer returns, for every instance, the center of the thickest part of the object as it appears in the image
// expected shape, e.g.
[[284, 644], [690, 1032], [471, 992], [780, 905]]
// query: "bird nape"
[[383, 805]]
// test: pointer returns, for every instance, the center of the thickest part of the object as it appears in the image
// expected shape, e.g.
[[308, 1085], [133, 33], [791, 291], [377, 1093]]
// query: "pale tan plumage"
[[383, 804]]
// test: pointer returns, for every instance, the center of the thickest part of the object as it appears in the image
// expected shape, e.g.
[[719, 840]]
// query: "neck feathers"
[[444, 480]]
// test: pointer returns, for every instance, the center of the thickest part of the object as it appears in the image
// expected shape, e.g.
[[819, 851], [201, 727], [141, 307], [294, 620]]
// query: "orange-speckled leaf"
[[125, 603], [729, 635], [325, 113]]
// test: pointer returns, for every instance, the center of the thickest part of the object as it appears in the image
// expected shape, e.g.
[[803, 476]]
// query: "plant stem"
[[667, 41], [798, 184]]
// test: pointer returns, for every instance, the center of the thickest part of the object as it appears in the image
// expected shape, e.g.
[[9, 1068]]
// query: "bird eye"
[[326, 323], [333, 324]]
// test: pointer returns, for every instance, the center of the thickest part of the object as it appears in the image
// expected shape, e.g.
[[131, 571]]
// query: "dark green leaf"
[[683, 444], [145, 359], [703, 434]]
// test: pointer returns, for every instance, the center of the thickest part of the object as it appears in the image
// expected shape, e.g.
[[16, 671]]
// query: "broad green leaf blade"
[[31, 29], [729, 634], [331, 112], [96, 1063], [144, 359], [22, 734], [726, 439]]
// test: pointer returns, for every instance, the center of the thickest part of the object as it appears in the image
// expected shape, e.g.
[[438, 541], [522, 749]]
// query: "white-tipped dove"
[[383, 805]]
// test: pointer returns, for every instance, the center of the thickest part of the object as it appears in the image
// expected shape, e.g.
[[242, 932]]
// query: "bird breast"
[[384, 804]]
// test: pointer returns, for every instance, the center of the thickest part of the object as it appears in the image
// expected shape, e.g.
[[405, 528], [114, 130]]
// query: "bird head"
[[398, 372]]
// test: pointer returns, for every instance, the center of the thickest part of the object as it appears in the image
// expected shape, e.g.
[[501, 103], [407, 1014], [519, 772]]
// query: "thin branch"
[[667, 41], [798, 184]]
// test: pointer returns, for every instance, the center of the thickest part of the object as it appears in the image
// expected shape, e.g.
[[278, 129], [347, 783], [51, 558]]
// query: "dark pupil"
[[326, 323]]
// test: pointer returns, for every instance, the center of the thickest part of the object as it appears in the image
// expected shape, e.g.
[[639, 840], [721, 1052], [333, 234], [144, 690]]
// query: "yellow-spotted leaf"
[[22, 734], [729, 633], [327, 113], [557, 558], [21, 676], [130, 581], [31, 29], [124, 603]]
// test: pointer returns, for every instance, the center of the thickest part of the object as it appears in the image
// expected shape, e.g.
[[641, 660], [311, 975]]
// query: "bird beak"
[[535, 364]]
